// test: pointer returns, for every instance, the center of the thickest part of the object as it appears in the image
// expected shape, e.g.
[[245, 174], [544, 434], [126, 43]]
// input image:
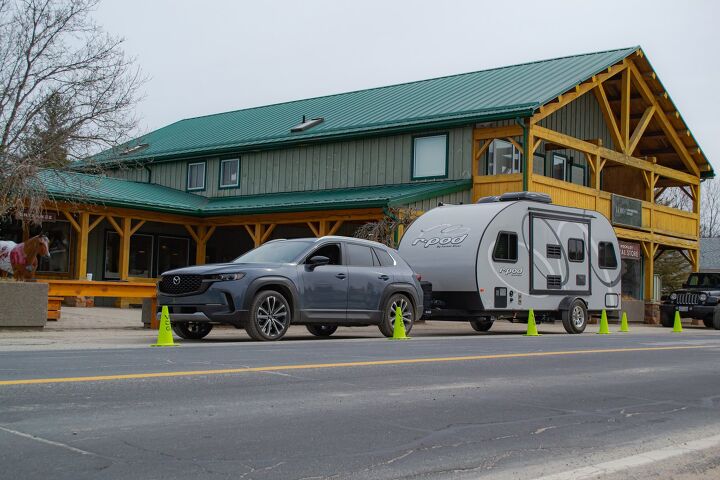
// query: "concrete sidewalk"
[[88, 328]]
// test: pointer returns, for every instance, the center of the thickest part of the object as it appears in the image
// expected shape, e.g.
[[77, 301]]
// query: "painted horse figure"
[[20, 259]]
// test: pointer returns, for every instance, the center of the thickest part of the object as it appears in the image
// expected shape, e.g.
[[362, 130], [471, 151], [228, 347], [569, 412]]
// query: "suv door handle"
[[384, 277], [341, 275]]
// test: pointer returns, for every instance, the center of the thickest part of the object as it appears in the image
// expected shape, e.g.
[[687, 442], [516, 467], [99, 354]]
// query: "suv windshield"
[[275, 252], [704, 280]]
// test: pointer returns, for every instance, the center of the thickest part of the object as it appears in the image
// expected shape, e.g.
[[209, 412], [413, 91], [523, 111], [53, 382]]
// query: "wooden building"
[[596, 131]]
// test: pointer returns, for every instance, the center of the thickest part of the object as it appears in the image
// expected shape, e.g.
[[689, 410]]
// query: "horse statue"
[[20, 259]]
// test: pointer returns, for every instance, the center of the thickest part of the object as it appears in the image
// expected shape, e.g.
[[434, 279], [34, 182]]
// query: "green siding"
[[356, 163], [451, 198]]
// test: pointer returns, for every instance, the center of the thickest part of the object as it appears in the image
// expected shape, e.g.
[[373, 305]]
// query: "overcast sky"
[[211, 56]]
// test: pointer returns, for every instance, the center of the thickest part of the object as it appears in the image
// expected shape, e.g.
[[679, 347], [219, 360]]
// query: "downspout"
[[526, 153], [149, 171]]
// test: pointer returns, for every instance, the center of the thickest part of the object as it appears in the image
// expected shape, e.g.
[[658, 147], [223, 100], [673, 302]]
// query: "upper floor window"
[[430, 157], [503, 157], [229, 172], [196, 176]]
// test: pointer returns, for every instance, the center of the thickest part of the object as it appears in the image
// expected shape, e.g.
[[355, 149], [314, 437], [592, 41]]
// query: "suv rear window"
[[360, 255], [385, 259]]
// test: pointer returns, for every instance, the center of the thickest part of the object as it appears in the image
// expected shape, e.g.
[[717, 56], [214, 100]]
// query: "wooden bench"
[[92, 288], [54, 306]]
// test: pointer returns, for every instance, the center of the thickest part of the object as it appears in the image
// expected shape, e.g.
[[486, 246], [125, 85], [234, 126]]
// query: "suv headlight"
[[673, 297], [703, 297], [225, 277]]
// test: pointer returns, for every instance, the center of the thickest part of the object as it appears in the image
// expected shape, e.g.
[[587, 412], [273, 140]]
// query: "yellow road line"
[[310, 366]]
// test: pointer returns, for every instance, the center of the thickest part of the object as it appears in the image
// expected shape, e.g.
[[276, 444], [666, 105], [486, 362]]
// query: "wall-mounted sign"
[[630, 250], [626, 211], [42, 217]]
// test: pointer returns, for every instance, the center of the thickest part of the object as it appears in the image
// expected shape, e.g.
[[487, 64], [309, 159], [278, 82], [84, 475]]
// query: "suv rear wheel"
[[387, 321], [191, 330], [321, 330], [269, 316]]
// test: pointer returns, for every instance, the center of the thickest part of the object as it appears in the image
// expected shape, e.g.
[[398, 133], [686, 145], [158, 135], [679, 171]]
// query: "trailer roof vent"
[[529, 196], [490, 199], [307, 124]]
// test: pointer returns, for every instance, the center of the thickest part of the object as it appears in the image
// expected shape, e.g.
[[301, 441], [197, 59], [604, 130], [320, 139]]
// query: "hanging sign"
[[630, 250]]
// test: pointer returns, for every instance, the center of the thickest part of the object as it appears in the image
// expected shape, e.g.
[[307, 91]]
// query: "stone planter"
[[23, 304]]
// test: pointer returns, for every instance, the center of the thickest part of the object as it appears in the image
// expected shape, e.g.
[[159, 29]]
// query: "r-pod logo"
[[514, 272], [445, 235]]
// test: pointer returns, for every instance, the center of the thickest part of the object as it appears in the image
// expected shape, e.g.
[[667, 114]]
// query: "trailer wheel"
[[481, 324], [575, 318]]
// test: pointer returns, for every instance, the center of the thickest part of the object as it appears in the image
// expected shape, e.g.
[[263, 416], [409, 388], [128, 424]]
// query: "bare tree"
[[53, 56], [385, 230], [675, 197]]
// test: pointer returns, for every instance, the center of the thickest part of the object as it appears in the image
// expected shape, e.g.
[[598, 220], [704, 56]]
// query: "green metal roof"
[[113, 192], [505, 92]]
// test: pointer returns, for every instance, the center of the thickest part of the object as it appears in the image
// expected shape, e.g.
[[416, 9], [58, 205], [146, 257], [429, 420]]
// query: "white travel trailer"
[[505, 255]]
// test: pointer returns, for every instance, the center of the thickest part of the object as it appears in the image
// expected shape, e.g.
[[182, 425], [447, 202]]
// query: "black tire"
[[482, 324], [709, 323], [667, 317], [321, 330], [191, 330], [387, 320], [575, 318], [270, 316], [716, 318]]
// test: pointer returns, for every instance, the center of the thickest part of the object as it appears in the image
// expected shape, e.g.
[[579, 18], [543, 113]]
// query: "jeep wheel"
[[667, 317], [716, 318], [387, 322], [709, 322], [191, 330], [575, 318], [481, 324], [269, 316], [321, 330]]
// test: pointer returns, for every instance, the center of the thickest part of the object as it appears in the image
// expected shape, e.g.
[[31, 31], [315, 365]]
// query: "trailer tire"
[[575, 318], [482, 324]]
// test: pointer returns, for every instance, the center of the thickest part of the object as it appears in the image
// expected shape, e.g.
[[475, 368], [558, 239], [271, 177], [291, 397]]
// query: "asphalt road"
[[432, 407]]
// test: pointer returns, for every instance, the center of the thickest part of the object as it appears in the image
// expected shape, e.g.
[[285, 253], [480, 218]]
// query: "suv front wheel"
[[269, 316], [191, 330], [387, 322]]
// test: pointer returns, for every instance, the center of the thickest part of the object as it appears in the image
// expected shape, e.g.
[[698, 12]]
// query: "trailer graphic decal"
[[440, 236]]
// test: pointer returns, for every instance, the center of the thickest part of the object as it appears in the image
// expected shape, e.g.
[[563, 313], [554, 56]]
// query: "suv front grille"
[[180, 284], [687, 299]]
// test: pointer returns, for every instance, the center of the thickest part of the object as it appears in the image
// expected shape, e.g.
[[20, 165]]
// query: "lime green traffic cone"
[[399, 326], [604, 328], [165, 336], [677, 325], [624, 323], [532, 327]]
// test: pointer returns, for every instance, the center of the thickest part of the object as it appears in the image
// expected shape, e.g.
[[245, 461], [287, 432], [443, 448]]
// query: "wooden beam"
[[335, 227], [617, 157], [640, 129], [115, 225], [478, 155], [97, 221], [72, 221], [82, 246], [200, 245], [663, 120], [492, 133], [136, 227], [209, 233], [125, 248], [609, 117], [192, 233], [268, 232], [314, 230], [625, 109]]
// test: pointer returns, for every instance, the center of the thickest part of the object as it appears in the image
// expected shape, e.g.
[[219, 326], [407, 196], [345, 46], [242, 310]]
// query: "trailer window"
[[576, 250], [506, 247], [606, 255]]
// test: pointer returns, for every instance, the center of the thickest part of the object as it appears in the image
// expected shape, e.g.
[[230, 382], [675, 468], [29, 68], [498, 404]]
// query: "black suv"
[[318, 282], [698, 299]]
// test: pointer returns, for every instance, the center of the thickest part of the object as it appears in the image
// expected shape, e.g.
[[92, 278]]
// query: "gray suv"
[[321, 283]]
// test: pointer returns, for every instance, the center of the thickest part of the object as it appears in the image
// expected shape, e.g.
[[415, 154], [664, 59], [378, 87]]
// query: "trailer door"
[[560, 264]]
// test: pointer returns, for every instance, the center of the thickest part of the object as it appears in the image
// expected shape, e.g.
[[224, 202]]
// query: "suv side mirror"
[[317, 260]]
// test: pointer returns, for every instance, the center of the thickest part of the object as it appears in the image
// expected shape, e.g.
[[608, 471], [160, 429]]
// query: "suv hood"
[[215, 268]]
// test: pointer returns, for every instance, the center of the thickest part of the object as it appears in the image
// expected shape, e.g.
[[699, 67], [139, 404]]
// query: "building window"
[[58, 233], [196, 176], [430, 157], [506, 248], [559, 167], [576, 250], [503, 158], [606, 255], [229, 172], [141, 256], [173, 252]]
